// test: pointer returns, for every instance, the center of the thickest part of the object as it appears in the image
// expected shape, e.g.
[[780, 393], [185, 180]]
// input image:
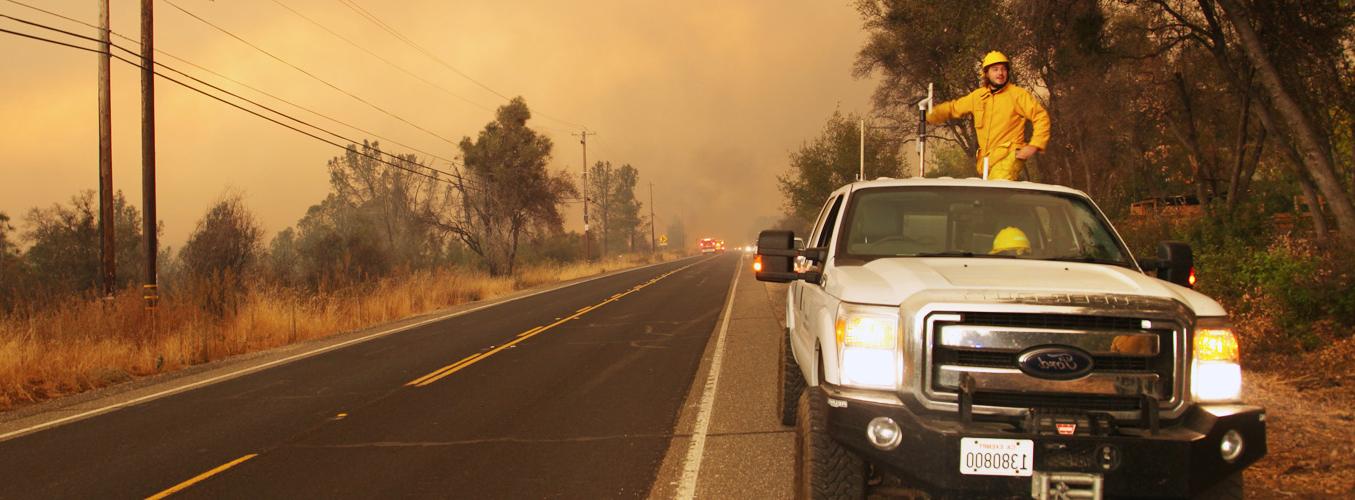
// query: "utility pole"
[[653, 242], [106, 217], [150, 291], [862, 176], [583, 139]]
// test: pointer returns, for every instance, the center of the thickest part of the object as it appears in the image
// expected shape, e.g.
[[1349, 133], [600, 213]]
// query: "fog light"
[[1230, 446], [884, 433]]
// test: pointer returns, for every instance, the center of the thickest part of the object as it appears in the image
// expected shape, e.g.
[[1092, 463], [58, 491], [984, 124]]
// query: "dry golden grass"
[[82, 345]]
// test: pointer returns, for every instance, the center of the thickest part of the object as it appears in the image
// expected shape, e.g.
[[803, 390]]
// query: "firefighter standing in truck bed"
[[1001, 110]]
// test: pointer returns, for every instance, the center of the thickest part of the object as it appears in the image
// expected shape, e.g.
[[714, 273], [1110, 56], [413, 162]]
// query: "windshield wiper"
[[1090, 260], [965, 254]]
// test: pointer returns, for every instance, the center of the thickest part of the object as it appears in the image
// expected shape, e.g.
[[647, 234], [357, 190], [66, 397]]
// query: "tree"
[[283, 258], [505, 193], [221, 253], [914, 43], [1315, 150], [337, 243], [64, 251], [677, 235], [14, 275], [832, 160], [392, 198], [612, 191], [226, 241]]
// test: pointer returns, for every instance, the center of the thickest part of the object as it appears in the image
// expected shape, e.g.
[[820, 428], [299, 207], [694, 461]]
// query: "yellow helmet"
[[994, 57], [1011, 239]]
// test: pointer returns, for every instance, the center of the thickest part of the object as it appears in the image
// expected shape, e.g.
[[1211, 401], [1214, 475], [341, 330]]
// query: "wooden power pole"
[[653, 242], [149, 290], [587, 240], [107, 222]]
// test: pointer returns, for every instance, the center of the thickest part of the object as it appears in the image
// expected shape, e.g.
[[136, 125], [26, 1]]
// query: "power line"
[[229, 79], [196, 79], [383, 59], [352, 5], [307, 73], [219, 89], [450, 175]]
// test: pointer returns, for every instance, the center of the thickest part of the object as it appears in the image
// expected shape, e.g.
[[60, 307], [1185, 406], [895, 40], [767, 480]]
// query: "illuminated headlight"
[[867, 337], [1215, 374]]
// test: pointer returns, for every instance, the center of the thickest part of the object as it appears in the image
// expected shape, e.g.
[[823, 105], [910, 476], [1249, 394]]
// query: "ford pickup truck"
[[962, 338]]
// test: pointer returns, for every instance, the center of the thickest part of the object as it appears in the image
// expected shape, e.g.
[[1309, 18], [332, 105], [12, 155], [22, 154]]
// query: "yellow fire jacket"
[[999, 119]]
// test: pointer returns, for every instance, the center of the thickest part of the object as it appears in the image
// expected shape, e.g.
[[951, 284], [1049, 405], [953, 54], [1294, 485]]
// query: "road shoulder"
[[746, 450]]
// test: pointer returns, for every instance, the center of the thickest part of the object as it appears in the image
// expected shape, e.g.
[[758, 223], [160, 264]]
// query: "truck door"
[[812, 298]]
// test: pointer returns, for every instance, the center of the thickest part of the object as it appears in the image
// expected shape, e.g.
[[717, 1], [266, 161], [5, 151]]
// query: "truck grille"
[[1081, 402], [998, 359], [1052, 321], [986, 346]]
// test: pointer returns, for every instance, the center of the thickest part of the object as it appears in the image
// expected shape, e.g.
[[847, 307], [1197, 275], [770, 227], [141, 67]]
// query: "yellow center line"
[[445, 371], [200, 477], [441, 370]]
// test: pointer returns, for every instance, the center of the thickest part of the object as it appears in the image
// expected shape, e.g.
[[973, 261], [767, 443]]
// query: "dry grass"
[[1310, 407], [82, 345]]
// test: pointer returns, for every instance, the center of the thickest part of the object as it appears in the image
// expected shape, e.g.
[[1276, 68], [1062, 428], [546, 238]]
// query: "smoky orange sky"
[[706, 98]]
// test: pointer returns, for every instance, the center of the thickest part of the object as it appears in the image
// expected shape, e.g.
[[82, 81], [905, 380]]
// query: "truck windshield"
[[976, 222]]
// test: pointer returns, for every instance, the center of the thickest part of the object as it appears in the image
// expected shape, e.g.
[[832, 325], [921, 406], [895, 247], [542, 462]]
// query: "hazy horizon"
[[706, 99]]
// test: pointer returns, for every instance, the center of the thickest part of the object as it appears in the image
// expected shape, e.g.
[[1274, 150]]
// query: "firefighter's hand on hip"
[[1026, 152]]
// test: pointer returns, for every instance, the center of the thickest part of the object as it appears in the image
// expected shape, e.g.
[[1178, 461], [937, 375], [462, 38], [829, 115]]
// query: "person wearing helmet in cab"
[[1000, 110], [1010, 241]]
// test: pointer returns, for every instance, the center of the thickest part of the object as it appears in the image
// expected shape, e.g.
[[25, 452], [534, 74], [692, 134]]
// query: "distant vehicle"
[[720, 246], [708, 245]]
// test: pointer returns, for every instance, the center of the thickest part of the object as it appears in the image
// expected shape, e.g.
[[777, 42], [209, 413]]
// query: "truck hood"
[[891, 281]]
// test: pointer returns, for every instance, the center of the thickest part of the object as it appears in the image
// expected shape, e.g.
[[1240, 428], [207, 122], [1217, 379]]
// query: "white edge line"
[[691, 467], [294, 357]]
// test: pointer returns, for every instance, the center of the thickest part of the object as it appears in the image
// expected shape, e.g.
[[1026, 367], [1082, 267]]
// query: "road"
[[591, 390]]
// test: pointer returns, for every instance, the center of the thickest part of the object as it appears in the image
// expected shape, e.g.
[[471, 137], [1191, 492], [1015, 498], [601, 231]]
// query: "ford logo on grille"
[[1055, 362]]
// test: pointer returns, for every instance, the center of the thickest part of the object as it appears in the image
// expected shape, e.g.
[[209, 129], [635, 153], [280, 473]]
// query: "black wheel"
[[824, 469], [792, 383], [1227, 489]]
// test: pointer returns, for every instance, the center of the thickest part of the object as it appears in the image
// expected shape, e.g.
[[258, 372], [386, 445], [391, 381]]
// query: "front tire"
[[792, 383], [824, 469]]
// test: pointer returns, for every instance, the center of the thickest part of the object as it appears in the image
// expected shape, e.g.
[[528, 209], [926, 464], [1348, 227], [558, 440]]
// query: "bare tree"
[[505, 192]]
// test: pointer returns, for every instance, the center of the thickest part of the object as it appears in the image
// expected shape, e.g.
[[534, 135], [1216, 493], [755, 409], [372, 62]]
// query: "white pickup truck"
[[969, 338]]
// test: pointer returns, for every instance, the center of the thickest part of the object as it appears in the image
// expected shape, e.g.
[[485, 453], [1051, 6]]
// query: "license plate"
[[996, 457]]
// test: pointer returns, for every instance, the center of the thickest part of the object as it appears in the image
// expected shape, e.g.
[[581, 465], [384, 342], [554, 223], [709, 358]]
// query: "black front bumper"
[[1181, 460]]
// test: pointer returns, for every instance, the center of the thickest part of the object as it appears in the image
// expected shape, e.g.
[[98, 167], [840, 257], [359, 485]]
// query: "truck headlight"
[[867, 337], [1215, 372]]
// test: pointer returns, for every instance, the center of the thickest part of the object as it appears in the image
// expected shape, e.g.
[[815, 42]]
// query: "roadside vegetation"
[[390, 240], [1226, 124]]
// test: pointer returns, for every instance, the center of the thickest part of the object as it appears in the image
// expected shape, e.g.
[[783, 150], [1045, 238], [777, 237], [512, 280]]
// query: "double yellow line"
[[436, 375], [446, 371]]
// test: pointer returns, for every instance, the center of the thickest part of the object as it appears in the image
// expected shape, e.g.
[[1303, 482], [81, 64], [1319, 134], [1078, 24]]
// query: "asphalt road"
[[572, 393]]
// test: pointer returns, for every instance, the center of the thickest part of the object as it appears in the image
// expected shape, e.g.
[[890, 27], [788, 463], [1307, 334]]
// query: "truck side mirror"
[[1175, 263], [777, 252]]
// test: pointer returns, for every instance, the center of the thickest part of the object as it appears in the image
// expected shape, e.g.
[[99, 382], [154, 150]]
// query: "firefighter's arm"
[[950, 110], [1033, 111]]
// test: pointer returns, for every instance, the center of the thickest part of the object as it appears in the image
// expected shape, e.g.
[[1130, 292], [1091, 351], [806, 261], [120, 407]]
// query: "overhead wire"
[[307, 73], [450, 176], [209, 84], [235, 81], [383, 59], [366, 15], [352, 5]]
